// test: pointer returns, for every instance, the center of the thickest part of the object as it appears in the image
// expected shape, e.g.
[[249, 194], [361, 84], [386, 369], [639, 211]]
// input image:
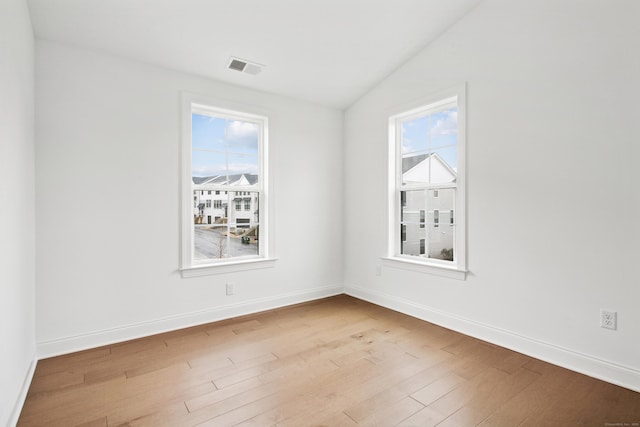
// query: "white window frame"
[[456, 269], [265, 259]]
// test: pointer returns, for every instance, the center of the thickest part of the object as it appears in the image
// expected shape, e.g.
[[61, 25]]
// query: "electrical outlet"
[[608, 319], [378, 270], [229, 288]]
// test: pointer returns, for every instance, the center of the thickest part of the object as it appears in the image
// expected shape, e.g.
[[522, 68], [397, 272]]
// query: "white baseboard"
[[129, 332], [17, 409], [601, 369]]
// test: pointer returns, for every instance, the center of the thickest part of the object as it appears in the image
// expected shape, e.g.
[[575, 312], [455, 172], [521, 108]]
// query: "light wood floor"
[[333, 362]]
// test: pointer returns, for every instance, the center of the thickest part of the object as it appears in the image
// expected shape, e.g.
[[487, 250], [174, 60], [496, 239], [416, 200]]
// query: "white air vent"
[[243, 66]]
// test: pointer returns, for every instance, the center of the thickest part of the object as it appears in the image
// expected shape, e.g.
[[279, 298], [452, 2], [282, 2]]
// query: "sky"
[[436, 132], [213, 153]]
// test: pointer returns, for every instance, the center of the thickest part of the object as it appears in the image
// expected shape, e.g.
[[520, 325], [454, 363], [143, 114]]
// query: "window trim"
[[188, 268], [393, 258]]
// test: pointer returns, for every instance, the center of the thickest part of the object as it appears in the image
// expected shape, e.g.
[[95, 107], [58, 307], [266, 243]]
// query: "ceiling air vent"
[[244, 66]]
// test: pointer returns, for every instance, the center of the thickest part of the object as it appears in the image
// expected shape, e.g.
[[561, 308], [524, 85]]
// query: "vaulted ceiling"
[[328, 52]]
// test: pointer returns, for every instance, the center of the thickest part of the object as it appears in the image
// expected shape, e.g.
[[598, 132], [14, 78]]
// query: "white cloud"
[[238, 129], [446, 126], [243, 137]]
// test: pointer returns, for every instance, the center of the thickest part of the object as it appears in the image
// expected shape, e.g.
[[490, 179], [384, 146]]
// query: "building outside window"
[[224, 154], [427, 183]]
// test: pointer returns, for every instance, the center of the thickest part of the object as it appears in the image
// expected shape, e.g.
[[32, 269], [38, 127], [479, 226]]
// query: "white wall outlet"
[[230, 289], [609, 319]]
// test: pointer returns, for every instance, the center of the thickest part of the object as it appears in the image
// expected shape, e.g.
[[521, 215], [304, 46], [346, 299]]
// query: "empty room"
[[319, 213]]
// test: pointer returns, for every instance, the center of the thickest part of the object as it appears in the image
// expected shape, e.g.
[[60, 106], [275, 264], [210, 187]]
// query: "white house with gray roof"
[[428, 215], [215, 201]]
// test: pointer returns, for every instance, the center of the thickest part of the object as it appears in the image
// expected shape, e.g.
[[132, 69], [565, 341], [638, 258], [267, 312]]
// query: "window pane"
[[443, 202], [438, 167], [412, 223], [444, 128], [207, 163], [210, 242], [222, 206], [225, 222], [429, 148], [440, 229], [430, 177], [223, 147], [244, 239], [415, 169], [243, 137], [208, 133], [442, 166], [426, 225], [243, 223], [244, 164], [415, 136]]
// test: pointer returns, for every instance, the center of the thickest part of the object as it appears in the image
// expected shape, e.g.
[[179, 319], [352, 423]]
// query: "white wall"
[[107, 132], [17, 208], [553, 228]]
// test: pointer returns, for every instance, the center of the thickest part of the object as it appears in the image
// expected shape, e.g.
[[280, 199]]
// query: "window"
[[427, 183], [223, 148], [247, 204]]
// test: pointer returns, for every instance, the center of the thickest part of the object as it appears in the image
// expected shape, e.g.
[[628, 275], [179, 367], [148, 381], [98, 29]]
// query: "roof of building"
[[415, 167], [409, 163], [230, 180]]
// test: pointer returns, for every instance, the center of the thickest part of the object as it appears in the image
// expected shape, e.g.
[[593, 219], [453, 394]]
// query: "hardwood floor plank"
[[572, 408], [168, 415], [427, 417], [217, 395], [153, 406], [98, 422], [536, 397], [339, 420], [434, 391], [333, 362], [398, 391], [340, 398], [393, 414], [304, 400], [70, 362], [56, 381], [461, 395], [483, 405], [513, 362]]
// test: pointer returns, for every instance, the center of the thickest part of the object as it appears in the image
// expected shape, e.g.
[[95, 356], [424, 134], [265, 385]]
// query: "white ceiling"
[[328, 52]]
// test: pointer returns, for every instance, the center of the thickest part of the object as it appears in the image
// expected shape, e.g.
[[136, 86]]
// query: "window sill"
[[423, 267], [227, 267]]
